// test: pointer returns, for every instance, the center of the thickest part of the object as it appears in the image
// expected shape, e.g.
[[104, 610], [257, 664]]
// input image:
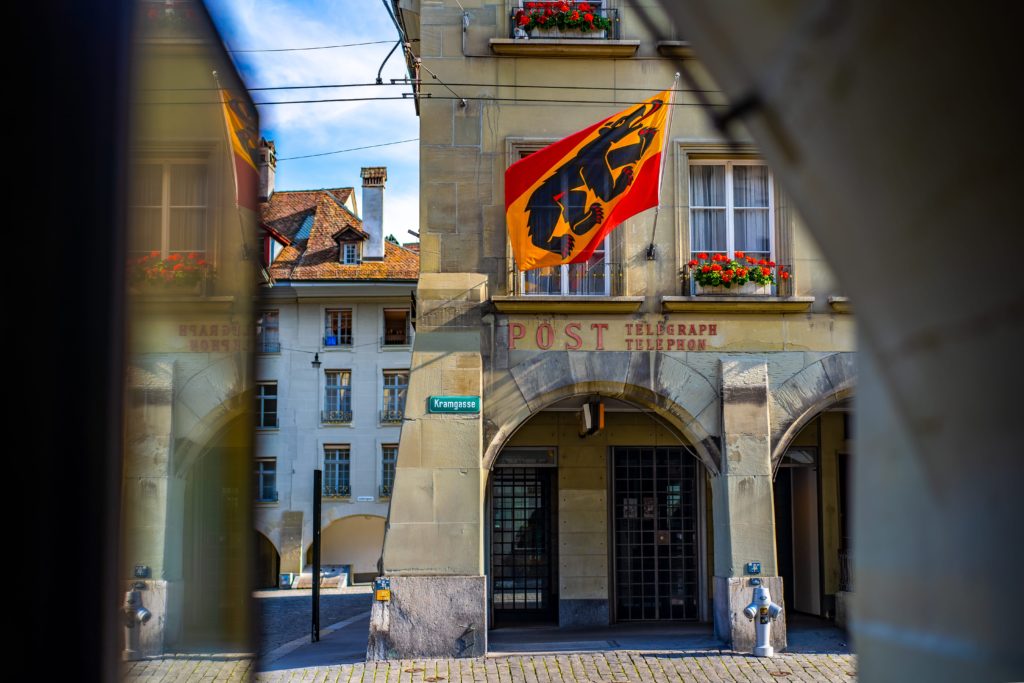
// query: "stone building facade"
[[725, 444], [333, 345], [185, 553]]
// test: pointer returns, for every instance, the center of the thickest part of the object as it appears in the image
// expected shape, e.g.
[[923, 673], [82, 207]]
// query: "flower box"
[[555, 33], [746, 289]]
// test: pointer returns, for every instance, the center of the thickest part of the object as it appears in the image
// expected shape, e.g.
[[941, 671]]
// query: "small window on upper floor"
[[350, 253]]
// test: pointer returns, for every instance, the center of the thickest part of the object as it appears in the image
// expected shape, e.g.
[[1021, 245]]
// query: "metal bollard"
[[766, 612]]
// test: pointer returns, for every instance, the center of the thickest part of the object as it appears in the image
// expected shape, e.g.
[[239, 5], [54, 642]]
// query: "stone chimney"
[[374, 178], [267, 161]]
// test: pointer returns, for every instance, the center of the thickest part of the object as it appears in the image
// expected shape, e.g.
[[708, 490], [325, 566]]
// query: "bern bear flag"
[[561, 201]]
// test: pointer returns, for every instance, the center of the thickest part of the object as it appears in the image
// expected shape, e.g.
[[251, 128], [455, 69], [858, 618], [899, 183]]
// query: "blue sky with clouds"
[[299, 129]]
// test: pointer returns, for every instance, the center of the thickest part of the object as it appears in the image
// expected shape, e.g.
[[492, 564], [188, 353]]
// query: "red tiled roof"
[[318, 258]]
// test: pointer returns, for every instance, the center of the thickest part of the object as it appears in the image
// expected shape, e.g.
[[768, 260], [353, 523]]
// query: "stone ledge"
[[736, 304], [680, 49], [840, 304], [564, 47], [567, 304]]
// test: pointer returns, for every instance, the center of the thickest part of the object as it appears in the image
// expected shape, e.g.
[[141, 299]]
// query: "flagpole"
[[651, 249]]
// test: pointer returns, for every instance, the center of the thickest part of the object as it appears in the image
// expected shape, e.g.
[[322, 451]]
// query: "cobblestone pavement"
[[284, 614], [592, 667]]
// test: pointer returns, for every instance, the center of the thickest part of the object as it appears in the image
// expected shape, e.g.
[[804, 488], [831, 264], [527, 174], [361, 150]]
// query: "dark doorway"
[[522, 541], [797, 533], [656, 534]]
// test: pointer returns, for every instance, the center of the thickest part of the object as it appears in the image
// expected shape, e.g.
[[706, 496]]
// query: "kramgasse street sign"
[[453, 404]]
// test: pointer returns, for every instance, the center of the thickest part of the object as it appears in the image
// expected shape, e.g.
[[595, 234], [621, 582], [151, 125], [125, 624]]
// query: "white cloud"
[[300, 129]]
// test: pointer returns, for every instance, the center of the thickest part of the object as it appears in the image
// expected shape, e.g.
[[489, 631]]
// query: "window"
[[266, 405], [389, 461], [169, 207], [396, 385], [336, 471], [338, 397], [266, 480], [592, 278], [731, 208], [268, 339], [396, 327], [350, 253], [338, 327]]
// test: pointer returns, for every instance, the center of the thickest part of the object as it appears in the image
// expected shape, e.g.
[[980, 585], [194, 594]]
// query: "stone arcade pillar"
[[433, 542], [744, 513]]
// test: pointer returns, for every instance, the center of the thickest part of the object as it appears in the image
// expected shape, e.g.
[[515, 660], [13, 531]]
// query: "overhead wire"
[[351, 149], [316, 47]]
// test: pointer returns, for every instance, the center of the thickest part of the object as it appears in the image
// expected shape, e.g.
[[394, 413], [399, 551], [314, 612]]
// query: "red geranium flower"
[[739, 254], [548, 12], [575, 16], [785, 275], [766, 272], [771, 263], [178, 266], [524, 20], [716, 267], [589, 18], [693, 263], [563, 7], [585, 7], [702, 255], [706, 269], [154, 254], [729, 272]]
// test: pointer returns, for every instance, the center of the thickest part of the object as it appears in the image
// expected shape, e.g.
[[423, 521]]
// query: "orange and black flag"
[[560, 202], [243, 137]]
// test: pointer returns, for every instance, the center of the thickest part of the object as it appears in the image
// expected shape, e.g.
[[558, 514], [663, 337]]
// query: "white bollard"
[[766, 612]]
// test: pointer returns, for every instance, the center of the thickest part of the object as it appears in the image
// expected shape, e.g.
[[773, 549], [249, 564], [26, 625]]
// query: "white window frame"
[[165, 204], [352, 258], [387, 490], [730, 208], [260, 399], [326, 312], [337, 491], [344, 389], [386, 408], [564, 282], [261, 341]]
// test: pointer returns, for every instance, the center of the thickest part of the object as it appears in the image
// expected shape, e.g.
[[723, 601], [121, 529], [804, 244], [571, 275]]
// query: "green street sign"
[[453, 404]]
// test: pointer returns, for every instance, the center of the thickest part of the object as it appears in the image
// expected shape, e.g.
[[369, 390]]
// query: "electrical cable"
[[482, 98], [317, 47], [351, 149]]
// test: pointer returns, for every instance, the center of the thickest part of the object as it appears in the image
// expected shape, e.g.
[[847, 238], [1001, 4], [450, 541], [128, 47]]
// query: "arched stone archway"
[[354, 540], [666, 386], [268, 562], [815, 388]]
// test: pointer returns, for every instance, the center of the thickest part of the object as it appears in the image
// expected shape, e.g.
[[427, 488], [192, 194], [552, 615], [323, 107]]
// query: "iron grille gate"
[[656, 534], [521, 558]]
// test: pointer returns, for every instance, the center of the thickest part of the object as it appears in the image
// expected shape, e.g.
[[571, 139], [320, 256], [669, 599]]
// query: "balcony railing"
[[396, 339], [337, 340], [267, 345], [385, 490], [336, 416], [600, 8], [337, 491], [578, 279], [392, 415]]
